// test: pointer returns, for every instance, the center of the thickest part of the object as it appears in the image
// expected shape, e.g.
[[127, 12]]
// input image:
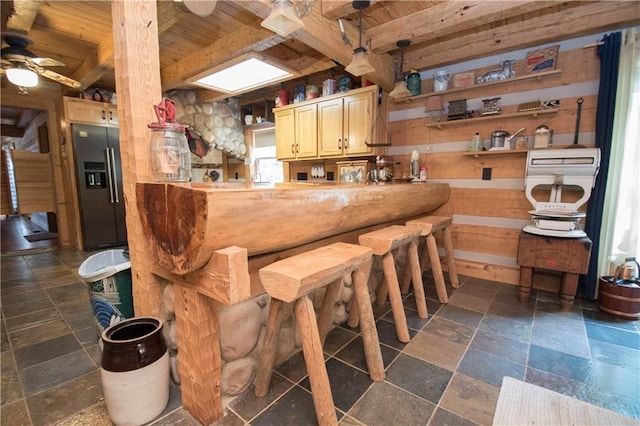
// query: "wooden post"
[[200, 367], [137, 71]]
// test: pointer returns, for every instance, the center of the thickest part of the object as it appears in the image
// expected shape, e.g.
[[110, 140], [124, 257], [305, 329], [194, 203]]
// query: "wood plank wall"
[[488, 215]]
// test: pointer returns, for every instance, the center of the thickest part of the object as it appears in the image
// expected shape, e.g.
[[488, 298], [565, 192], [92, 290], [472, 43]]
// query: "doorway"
[[27, 134]]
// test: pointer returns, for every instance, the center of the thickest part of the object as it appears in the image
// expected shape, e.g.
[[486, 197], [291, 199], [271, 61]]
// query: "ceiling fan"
[[18, 62]]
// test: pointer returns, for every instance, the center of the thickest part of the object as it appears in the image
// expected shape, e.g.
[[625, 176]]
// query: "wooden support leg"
[[568, 290], [418, 289], [436, 268], [451, 261], [370, 340], [383, 290], [200, 370], [325, 316], [424, 257], [406, 276], [395, 297], [268, 354], [314, 358], [526, 280], [354, 314]]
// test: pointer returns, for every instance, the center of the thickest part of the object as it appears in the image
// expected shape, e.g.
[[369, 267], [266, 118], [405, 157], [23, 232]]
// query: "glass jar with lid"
[[169, 149]]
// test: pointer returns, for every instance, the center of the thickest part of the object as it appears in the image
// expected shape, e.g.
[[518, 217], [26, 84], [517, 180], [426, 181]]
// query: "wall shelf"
[[533, 114], [500, 152], [536, 76]]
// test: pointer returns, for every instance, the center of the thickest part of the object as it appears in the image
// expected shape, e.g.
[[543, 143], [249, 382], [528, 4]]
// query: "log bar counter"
[[210, 240]]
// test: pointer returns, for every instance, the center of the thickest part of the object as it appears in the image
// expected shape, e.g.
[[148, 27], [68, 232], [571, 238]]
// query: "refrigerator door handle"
[[109, 174], [113, 173]]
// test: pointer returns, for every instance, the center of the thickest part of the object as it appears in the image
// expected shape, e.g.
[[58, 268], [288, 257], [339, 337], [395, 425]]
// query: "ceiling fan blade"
[[47, 62], [59, 78]]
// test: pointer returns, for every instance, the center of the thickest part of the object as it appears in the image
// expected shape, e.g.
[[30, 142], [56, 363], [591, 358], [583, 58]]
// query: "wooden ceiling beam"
[[101, 61], [312, 67], [447, 18], [244, 40], [21, 18], [587, 19], [96, 64], [335, 9], [324, 36], [169, 14]]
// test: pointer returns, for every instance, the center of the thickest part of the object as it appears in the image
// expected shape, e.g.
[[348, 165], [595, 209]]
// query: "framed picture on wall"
[[463, 79], [541, 60], [352, 171]]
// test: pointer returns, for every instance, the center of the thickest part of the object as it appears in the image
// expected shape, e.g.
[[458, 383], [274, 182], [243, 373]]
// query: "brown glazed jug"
[[135, 370]]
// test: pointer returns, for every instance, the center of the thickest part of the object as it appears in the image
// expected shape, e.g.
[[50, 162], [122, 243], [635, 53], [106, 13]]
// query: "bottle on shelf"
[[414, 82], [423, 173], [476, 143]]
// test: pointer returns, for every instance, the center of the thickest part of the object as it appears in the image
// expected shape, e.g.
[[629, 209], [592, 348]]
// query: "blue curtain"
[[609, 53]]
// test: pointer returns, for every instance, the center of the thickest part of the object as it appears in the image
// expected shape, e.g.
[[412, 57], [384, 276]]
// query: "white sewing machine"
[[555, 169]]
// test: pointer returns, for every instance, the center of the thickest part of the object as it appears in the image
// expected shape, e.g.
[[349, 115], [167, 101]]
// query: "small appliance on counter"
[[556, 169], [543, 137], [501, 140]]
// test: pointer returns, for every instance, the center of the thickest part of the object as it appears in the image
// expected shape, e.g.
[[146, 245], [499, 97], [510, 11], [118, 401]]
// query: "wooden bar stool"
[[384, 242], [429, 225], [290, 281]]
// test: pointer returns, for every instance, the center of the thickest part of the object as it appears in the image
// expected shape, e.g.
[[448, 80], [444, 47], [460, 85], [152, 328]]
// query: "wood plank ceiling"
[[78, 33]]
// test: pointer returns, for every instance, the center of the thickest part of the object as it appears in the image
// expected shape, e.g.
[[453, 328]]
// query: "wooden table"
[[567, 255]]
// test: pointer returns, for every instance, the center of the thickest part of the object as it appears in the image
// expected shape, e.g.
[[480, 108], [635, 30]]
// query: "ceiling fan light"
[[400, 91], [360, 63], [283, 19], [21, 76]]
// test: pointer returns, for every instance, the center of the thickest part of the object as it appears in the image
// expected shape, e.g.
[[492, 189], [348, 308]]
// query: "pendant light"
[[283, 19], [360, 63], [401, 91]]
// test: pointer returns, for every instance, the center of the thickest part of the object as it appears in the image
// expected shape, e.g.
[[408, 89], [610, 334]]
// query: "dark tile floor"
[[450, 372]]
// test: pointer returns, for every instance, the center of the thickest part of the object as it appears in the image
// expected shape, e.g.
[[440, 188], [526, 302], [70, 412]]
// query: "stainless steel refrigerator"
[[99, 179]]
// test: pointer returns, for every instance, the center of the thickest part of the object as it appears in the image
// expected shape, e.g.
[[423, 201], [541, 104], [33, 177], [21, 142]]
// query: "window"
[[264, 165]]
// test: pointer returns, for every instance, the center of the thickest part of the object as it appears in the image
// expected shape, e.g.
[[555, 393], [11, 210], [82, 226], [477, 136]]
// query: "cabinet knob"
[[346, 143], [104, 115], [293, 150], [339, 143]]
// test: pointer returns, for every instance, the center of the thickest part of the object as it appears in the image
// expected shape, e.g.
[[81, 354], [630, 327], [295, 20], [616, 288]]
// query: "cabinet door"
[[285, 134], [307, 131], [86, 112], [330, 115], [358, 123]]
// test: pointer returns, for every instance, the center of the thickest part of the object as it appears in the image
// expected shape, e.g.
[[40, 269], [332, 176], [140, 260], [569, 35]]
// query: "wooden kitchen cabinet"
[[344, 125], [297, 132], [90, 112], [331, 126], [285, 134]]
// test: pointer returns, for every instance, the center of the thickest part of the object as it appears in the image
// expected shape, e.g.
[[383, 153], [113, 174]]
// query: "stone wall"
[[217, 122], [242, 328]]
